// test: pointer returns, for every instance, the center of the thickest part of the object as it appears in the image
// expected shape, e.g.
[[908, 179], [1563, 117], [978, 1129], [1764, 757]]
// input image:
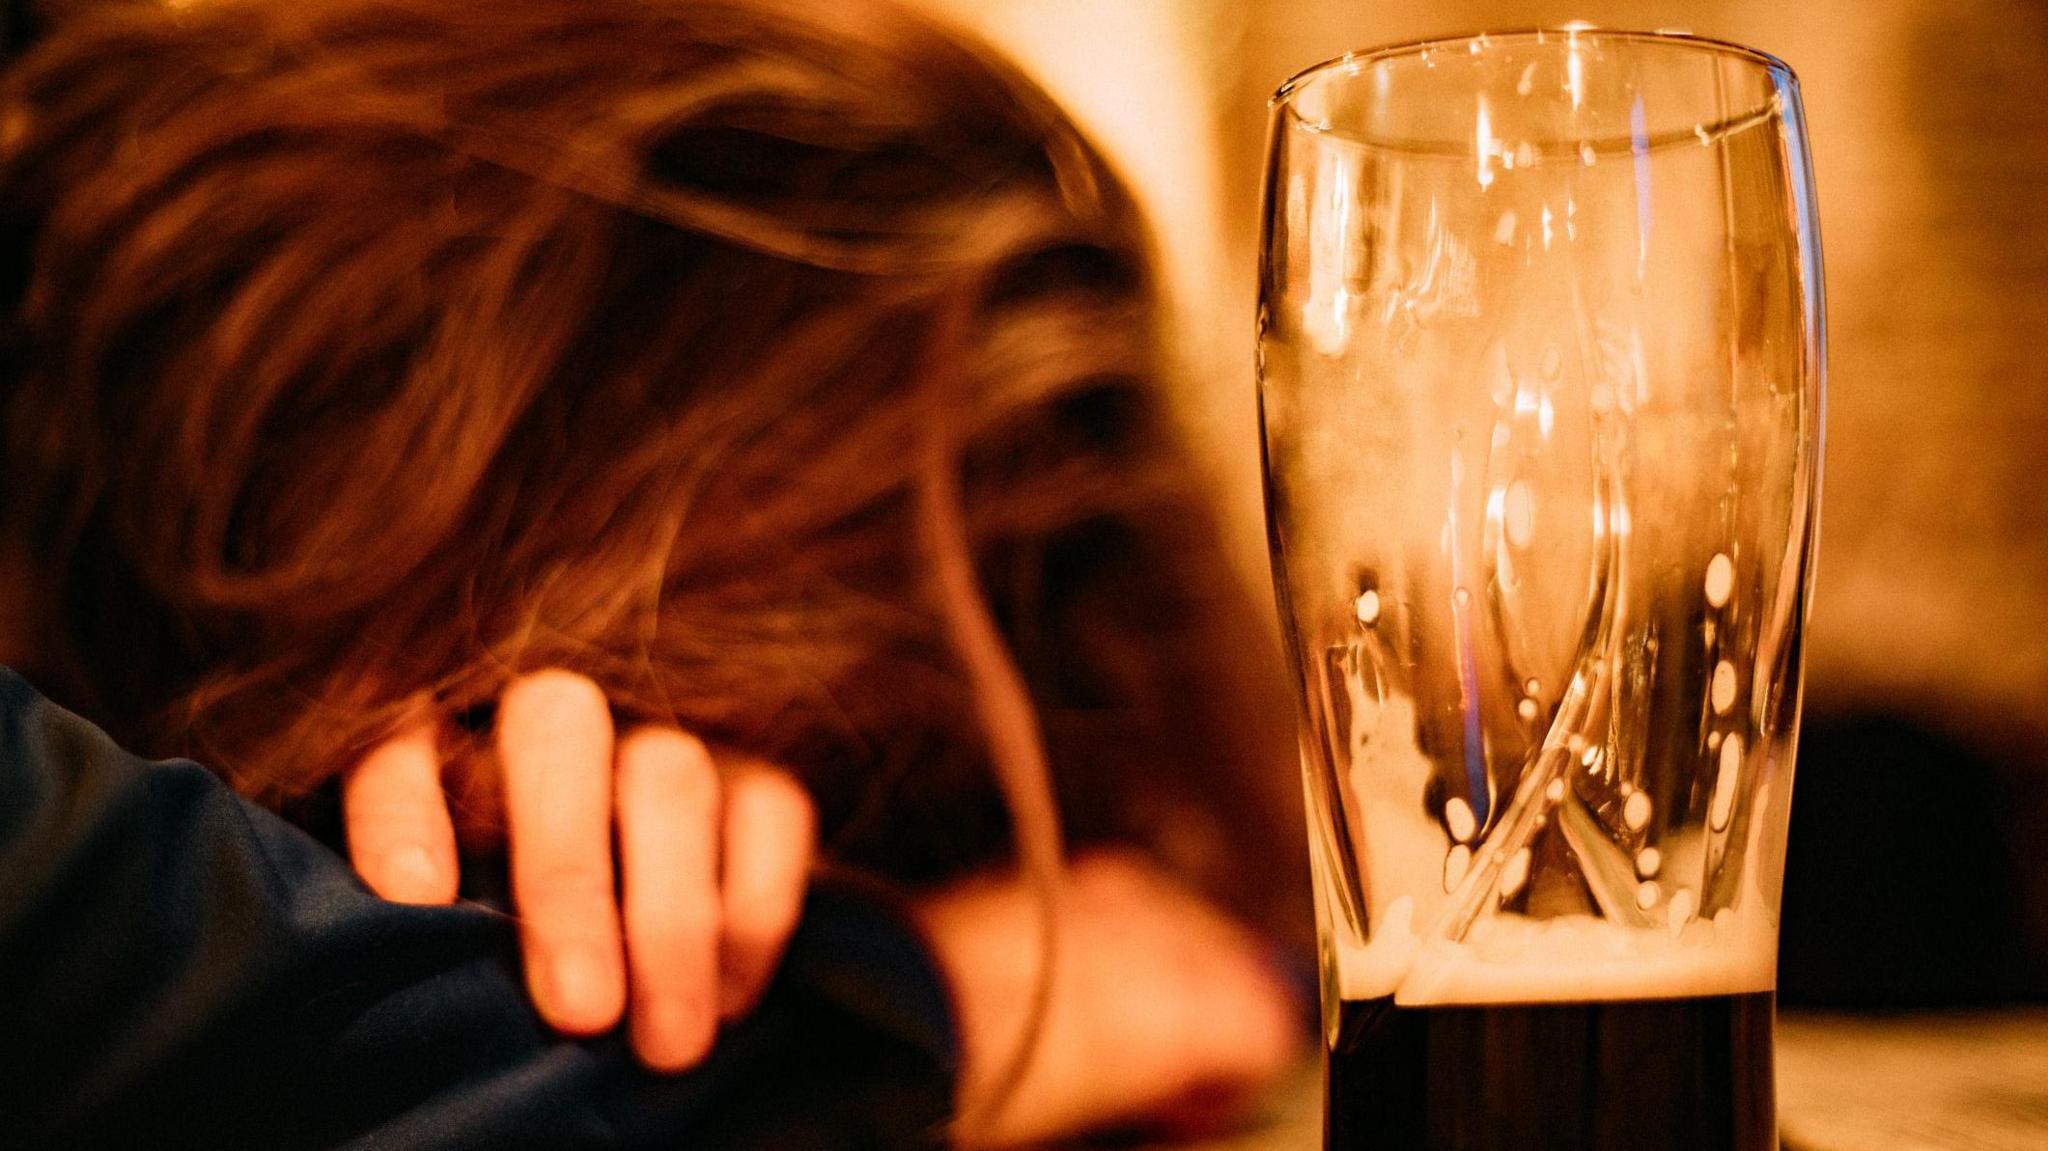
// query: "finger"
[[399, 833], [668, 804], [771, 830], [555, 745]]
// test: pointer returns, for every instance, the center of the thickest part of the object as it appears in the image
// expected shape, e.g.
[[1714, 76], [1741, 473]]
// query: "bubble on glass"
[[1554, 791], [1527, 709], [1457, 862], [1723, 803], [1647, 893], [1504, 228], [1462, 597], [1527, 83], [1525, 154], [1635, 811], [1723, 695], [1459, 819], [1713, 740], [1720, 579], [1521, 514], [1533, 686], [1576, 742], [1587, 155], [1514, 874], [1648, 860], [1367, 607]]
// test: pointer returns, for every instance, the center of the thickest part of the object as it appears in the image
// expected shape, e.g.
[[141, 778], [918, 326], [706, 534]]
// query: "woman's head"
[[375, 348]]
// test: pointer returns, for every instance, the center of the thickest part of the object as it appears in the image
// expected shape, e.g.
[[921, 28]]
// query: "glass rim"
[[1355, 60]]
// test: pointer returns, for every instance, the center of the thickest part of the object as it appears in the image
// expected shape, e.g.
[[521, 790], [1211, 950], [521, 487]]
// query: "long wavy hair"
[[789, 369]]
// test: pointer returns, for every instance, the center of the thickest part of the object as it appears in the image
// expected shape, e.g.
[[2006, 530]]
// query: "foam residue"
[[1568, 959], [1459, 818], [1516, 959], [1515, 873], [1724, 688], [1726, 782], [1367, 607], [1635, 812], [1417, 949], [1456, 863], [1720, 581]]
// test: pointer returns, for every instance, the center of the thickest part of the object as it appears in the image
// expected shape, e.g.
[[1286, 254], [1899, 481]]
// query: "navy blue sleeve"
[[181, 969]]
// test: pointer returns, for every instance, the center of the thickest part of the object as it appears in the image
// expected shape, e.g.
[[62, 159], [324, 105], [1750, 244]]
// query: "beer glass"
[[1540, 380]]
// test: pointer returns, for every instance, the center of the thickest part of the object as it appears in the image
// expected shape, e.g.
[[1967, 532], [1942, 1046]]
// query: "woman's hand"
[[1165, 1014], [712, 857]]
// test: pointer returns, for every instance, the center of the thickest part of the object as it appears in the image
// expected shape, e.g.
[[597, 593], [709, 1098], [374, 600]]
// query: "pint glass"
[[1540, 379]]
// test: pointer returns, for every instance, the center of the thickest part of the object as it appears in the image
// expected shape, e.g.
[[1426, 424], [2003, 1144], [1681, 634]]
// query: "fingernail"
[[411, 876], [576, 985], [672, 1035]]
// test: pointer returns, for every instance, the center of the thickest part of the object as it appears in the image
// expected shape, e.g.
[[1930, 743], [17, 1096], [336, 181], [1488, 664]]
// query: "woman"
[[776, 378]]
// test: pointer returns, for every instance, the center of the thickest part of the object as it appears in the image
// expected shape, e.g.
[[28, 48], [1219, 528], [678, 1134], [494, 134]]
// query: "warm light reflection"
[[1484, 143], [1574, 68]]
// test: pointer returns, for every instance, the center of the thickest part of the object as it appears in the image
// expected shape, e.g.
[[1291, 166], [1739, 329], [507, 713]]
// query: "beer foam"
[[1417, 852], [1509, 958]]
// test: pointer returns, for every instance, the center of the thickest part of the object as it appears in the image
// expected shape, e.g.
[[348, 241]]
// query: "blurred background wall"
[[1929, 124]]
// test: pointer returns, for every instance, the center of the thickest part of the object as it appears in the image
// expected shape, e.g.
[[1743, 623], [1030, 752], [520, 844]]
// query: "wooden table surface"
[[1931, 1082], [1914, 1083]]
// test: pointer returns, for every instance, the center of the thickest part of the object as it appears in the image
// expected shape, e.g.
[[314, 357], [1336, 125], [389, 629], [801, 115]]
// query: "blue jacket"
[[182, 969]]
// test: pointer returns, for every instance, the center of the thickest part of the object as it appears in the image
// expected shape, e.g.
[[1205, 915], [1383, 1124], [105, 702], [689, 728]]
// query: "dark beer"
[[1632, 1075]]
